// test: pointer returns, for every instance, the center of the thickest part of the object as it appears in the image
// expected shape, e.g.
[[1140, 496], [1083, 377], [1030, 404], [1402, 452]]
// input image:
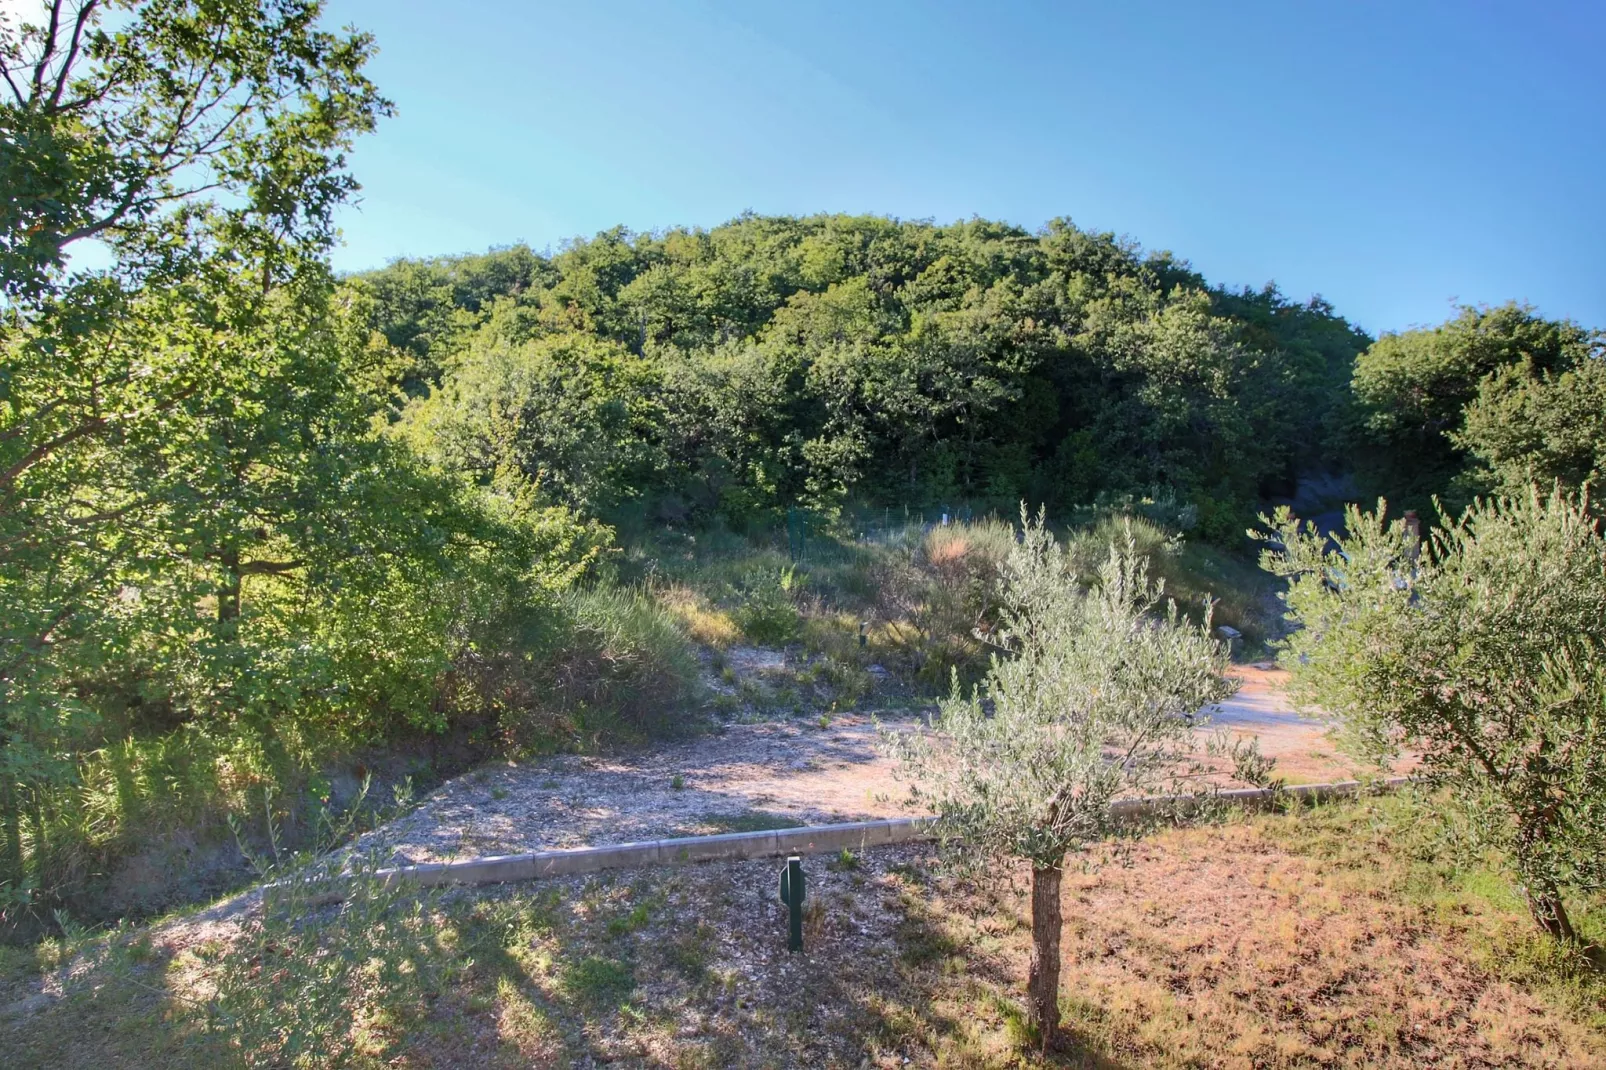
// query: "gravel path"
[[747, 776], [740, 777]]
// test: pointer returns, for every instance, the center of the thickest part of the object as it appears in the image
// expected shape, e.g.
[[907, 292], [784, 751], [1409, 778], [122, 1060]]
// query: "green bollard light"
[[792, 896]]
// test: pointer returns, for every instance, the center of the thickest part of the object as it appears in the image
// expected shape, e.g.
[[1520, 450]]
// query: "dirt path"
[[749, 776], [741, 777], [1304, 753]]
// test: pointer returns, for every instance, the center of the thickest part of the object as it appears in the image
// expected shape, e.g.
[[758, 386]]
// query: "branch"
[[45, 449], [267, 568], [89, 230], [49, 50], [88, 427], [16, 90], [72, 52]]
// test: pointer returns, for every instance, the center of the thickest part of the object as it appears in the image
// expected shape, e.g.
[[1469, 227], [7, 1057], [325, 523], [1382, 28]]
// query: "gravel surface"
[[737, 778], [748, 776]]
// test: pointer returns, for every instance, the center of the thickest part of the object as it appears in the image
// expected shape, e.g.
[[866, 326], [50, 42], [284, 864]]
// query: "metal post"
[[792, 896]]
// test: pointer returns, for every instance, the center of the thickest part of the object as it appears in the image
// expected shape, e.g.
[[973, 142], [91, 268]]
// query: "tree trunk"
[[1550, 914], [11, 862], [1043, 980]]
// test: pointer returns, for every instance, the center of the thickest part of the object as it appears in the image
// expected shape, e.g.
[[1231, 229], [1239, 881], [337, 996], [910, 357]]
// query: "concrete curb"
[[814, 839]]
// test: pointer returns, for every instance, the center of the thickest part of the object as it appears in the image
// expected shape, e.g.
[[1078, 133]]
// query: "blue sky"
[[1393, 157]]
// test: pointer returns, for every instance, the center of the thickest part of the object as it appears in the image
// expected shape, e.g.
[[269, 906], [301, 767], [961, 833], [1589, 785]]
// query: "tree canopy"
[[776, 360], [1489, 400]]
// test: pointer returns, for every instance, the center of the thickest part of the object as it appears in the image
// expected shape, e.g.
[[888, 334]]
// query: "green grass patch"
[[748, 821]]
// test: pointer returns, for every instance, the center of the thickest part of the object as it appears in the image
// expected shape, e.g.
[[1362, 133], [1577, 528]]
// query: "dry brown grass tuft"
[[946, 550], [704, 622]]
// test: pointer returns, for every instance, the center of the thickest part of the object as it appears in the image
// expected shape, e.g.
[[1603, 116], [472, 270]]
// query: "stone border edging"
[[810, 839]]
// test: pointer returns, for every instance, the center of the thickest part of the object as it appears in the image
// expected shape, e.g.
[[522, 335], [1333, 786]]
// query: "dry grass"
[[1332, 938], [704, 622]]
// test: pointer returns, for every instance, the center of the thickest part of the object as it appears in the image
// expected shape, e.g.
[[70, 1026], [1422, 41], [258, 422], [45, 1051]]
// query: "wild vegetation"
[[772, 362], [268, 534]]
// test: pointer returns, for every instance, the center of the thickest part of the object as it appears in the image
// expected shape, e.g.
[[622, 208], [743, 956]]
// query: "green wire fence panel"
[[797, 533]]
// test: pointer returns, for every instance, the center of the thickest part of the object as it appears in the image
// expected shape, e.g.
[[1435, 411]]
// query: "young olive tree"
[[1093, 695], [1483, 652]]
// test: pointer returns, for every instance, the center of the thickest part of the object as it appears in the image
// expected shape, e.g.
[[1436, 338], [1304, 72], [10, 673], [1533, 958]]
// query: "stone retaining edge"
[[812, 839]]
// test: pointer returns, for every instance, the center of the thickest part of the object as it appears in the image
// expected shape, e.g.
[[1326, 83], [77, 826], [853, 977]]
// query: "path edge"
[[809, 839]]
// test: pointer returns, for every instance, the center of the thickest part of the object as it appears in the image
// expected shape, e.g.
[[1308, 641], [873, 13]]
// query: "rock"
[[1229, 633]]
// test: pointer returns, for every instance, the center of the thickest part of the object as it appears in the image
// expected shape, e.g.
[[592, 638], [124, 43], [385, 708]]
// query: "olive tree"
[[1092, 695], [1482, 651]]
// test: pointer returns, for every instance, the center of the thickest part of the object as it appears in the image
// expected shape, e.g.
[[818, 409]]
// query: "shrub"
[[768, 610], [1482, 651], [614, 664]]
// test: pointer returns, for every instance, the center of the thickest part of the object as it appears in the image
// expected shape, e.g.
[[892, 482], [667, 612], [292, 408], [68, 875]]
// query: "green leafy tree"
[[1412, 391], [575, 417], [201, 146], [1091, 698], [1528, 425], [1482, 652]]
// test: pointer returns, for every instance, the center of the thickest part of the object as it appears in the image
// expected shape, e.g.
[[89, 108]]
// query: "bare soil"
[[754, 775]]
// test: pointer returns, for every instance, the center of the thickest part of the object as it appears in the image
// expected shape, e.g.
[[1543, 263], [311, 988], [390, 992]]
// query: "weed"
[[749, 821], [636, 919], [598, 981]]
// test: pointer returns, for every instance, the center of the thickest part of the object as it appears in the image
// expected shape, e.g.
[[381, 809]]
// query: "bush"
[[768, 609], [1482, 651], [610, 663]]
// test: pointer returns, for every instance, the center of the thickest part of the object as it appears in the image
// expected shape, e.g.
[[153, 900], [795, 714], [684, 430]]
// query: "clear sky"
[[1395, 157]]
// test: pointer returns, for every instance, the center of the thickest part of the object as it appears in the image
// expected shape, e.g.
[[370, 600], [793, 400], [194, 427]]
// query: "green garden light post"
[[792, 896]]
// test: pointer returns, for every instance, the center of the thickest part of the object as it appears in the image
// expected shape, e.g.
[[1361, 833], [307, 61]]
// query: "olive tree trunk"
[[1043, 980], [1545, 905]]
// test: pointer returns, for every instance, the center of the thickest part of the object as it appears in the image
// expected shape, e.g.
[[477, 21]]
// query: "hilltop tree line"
[[776, 361]]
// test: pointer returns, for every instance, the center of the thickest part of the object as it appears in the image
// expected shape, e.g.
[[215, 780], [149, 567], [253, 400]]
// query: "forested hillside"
[[776, 361]]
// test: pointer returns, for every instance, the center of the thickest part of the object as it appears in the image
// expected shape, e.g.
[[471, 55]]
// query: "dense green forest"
[[258, 521], [773, 362], [777, 361]]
